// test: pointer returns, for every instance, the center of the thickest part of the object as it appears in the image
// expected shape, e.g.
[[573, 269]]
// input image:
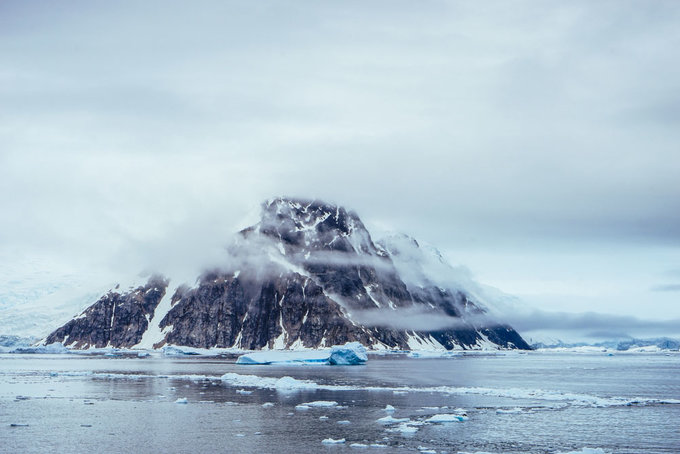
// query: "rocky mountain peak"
[[313, 225]]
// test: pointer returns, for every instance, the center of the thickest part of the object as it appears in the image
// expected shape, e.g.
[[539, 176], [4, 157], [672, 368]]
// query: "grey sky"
[[535, 142]]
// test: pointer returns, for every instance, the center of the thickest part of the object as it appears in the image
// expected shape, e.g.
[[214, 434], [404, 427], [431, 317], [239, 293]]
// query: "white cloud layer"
[[510, 135]]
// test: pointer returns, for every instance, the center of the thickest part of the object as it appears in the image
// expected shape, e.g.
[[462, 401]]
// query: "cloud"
[[526, 127], [592, 324], [666, 288]]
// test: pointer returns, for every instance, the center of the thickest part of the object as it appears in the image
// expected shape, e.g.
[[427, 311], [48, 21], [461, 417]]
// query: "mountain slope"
[[307, 275]]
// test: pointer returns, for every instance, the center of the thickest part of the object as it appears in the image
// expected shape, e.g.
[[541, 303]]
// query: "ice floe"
[[332, 441], [321, 403], [389, 419], [447, 417], [352, 353]]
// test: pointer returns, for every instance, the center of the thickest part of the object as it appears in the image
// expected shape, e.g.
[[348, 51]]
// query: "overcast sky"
[[537, 143]]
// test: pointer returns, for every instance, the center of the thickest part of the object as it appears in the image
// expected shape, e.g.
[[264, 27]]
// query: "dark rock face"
[[117, 320], [307, 275]]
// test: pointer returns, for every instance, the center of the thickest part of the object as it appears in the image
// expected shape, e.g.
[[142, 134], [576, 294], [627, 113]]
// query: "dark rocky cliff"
[[307, 275]]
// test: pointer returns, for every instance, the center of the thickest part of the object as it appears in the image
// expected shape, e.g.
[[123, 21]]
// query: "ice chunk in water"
[[352, 353], [331, 441]]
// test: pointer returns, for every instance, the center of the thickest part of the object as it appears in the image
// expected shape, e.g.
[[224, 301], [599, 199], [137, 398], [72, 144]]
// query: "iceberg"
[[170, 350], [351, 353], [182, 400], [284, 357]]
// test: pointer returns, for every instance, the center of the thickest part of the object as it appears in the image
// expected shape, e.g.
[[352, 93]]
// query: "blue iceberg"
[[351, 353]]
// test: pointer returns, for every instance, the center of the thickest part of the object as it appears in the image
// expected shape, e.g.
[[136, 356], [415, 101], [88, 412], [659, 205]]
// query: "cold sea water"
[[504, 403]]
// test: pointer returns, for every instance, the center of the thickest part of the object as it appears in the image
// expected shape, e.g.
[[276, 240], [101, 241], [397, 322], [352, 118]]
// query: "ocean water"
[[510, 403]]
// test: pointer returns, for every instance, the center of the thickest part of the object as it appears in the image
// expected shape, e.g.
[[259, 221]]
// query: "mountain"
[[307, 275]]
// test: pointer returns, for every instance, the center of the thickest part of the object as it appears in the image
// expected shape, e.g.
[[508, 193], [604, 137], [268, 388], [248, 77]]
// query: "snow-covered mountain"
[[307, 275]]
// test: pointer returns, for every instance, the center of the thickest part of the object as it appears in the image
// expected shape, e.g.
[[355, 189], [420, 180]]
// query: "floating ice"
[[243, 391], [332, 441], [509, 411], [585, 451], [321, 403], [389, 408], [182, 400], [302, 407], [392, 420], [55, 348], [447, 417], [344, 422], [267, 405], [352, 353], [358, 445], [170, 350], [285, 357], [255, 381], [405, 429]]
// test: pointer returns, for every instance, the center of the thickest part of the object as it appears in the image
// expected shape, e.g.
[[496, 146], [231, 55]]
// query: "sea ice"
[[352, 353], [54, 348], [447, 417], [392, 420], [389, 408], [321, 403], [331, 441], [285, 357], [182, 400], [509, 411], [585, 451], [344, 422], [405, 429], [267, 405], [170, 350], [255, 381]]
